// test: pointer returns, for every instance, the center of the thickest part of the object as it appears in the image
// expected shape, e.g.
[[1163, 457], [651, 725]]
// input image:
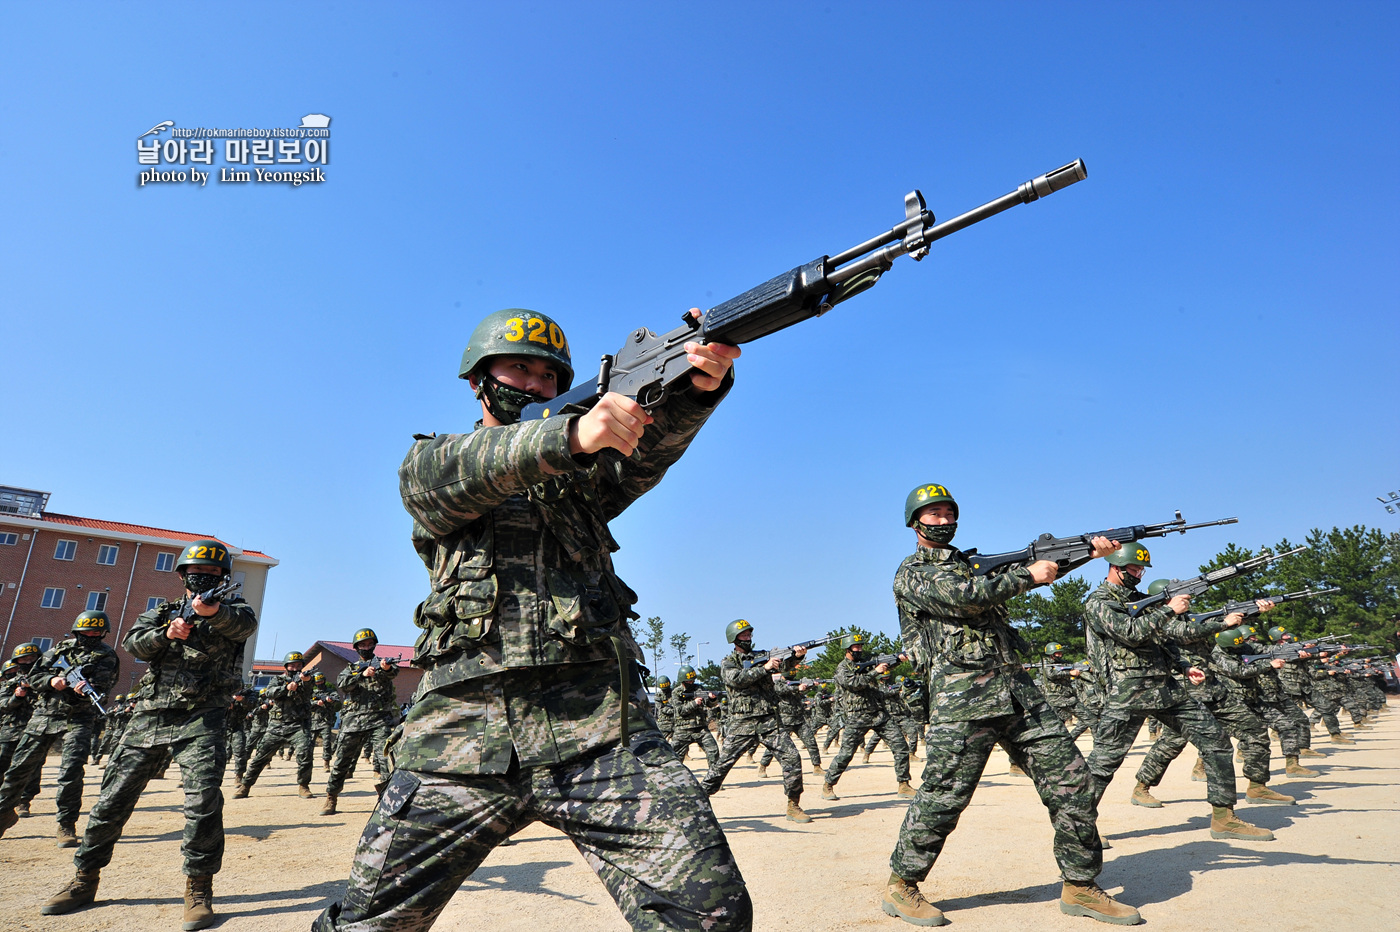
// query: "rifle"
[[1059, 667], [211, 596], [1071, 552], [361, 666], [649, 367], [759, 658], [1291, 651], [891, 659], [76, 678], [1249, 609], [1198, 584]]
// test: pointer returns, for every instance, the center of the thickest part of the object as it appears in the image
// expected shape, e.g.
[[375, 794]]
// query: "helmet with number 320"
[[516, 331]]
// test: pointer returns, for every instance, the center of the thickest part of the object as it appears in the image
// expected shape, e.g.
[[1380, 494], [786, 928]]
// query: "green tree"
[[680, 643], [708, 677], [822, 666], [655, 637], [1058, 617]]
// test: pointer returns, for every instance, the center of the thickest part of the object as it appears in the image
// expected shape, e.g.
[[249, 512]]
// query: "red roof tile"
[[100, 525]]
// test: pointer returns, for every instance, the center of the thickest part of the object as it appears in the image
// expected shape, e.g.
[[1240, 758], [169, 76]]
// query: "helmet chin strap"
[[503, 401]]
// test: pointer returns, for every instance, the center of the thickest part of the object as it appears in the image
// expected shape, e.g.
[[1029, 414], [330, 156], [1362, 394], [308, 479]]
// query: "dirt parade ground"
[[1335, 865]]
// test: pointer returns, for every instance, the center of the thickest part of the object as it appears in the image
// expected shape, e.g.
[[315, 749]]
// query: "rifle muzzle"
[[1050, 182]]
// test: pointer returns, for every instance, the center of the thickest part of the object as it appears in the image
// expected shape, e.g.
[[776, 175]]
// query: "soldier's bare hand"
[[178, 630], [1196, 675], [204, 609], [884, 667], [1233, 620], [292, 687], [1044, 571], [711, 361], [772, 664], [21, 691], [799, 652], [1276, 664], [1264, 605], [1180, 604], [1103, 546], [616, 422], [369, 671], [58, 683]]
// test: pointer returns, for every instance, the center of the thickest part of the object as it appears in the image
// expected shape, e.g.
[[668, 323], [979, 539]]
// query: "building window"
[[9, 540], [42, 643], [107, 554], [165, 562], [53, 598], [97, 602], [152, 602], [65, 550]]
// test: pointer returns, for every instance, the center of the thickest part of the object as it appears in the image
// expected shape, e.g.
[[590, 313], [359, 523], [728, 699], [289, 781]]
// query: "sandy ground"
[[1334, 865]]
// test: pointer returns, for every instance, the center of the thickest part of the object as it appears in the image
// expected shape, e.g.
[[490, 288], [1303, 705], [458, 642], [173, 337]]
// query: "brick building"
[[54, 566], [330, 657]]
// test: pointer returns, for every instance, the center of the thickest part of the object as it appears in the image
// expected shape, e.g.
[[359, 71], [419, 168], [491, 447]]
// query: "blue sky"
[[1207, 323]]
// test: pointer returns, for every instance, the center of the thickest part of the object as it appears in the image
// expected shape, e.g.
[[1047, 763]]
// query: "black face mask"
[[504, 402], [201, 582], [365, 653], [744, 644], [1129, 580], [940, 534]]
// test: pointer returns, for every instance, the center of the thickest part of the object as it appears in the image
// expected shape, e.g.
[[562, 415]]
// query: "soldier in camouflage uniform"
[[915, 696], [691, 711], [257, 727], [325, 703], [289, 722], [112, 724], [1293, 684], [1257, 685], [819, 715], [1324, 694], [62, 714], [16, 706], [369, 714], [1058, 685], [753, 716], [665, 707], [793, 718], [863, 709], [194, 650], [1137, 654], [238, 722], [1089, 701], [955, 625], [892, 694], [531, 706], [1229, 690]]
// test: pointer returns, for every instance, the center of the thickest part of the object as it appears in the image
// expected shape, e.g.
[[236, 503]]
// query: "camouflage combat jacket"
[[289, 706], [690, 719], [369, 701], [325, 703], [200, 672], [753, 697], [791, 711], [527, 623], [55, 710], [1244, 681], [665, 712], [1137, 658], [1293, 679], [1086, 690], [821, 708], [1327, 685], [14, 710], [240, 711], [858, 692], [954, 625], [1057, 685]]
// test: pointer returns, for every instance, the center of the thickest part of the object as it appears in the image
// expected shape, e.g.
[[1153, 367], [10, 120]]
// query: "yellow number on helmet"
[[556, 336], [537, 331], [515, 330]]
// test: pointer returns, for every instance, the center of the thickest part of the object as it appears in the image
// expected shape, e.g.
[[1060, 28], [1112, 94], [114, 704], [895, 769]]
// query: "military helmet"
[[516, 331], [92, 621], [1231, 638], [319, 679], [1277, 634], [25, 649], [731, 633], [293, 656], [663, 682], [926, 494], [1131, 553], [119, 697], [1157, 585], [1053, 648], [365, 634], [686, 673], [853, 642], [205, 553]]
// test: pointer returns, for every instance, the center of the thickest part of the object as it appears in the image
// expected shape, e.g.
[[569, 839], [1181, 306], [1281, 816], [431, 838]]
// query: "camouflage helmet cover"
[[516, 331], [926, 494], [205, 553], [92, 621]]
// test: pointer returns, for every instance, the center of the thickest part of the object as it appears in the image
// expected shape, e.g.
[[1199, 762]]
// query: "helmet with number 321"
[[926, 494]]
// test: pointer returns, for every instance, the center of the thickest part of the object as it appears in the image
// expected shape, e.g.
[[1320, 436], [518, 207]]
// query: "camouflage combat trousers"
[[773, 737], [202, 760], [1088, 719], [701, 737], [833, 734], [1284, 717], [326, 732], [807, 735], [1237, 721], [347, 750], [277, 734], [236, 751], [912, 730], [1355, 706], [854, 733], [7, 753], [957, 754], [637, 816], [28, 762], [1118, 728], [1325, 709]]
